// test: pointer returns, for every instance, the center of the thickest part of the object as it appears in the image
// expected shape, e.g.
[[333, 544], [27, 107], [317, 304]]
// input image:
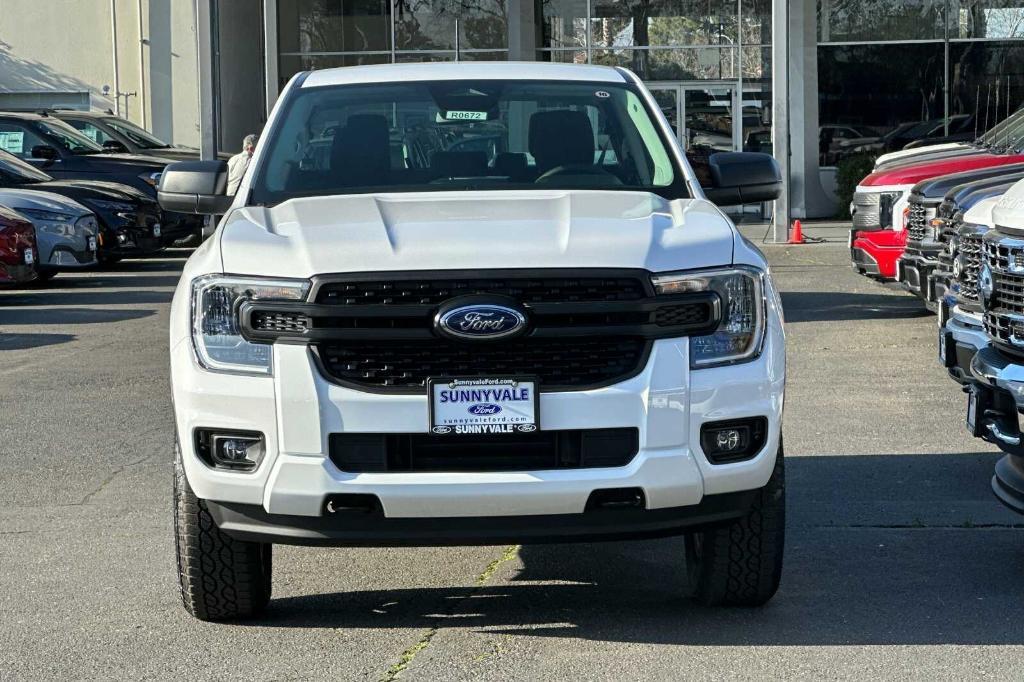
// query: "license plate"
[[484, 405], [156, 230], [29, 257], [943, 316], [899, 271], [972, 412], [942, 346], [92, 243]]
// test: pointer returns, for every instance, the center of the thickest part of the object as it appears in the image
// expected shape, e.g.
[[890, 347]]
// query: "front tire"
[[221, 578], [740, 563]]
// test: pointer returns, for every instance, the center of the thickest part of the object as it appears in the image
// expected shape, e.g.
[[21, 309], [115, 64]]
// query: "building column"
[[522, 31], [807, 196], [206, 34]]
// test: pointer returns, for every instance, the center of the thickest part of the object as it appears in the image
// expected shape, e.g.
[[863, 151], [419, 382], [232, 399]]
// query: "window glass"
[[14, 170], [18, 139], [89, 130], [66, 136], [565, 23], [876, 20], [334, 25], [757, 22], [987, 18], [663, 65], [986, 84], [139, 136], [633, 23], [289, 65], [464, 135]]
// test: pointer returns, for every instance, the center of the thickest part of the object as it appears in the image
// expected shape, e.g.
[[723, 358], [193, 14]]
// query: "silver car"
[[67, 233]]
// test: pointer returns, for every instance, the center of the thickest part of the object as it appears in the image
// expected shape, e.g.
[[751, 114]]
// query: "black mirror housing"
[[743, 178], [195, 187], [114, 146], [44, 151]]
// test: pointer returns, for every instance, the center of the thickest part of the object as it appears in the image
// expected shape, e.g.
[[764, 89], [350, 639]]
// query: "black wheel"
[[221, 578], [740, 563]]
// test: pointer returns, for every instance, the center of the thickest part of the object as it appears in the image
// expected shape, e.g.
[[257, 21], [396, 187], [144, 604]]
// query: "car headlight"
[[151, 179], [216, 335], [740, 333], [52, 222], [119, 207], [88, 224]]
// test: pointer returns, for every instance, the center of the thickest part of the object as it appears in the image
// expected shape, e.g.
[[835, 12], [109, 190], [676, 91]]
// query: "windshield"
[[14, 171], [68, 137], [136, 134], [465, 135]]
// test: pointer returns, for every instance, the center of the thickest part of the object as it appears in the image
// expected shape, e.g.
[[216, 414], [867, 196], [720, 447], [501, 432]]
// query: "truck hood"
[[97, 189], [477, 230], [915, 173]]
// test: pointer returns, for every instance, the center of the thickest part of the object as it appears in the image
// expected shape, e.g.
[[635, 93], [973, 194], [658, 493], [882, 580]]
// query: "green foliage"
[[849, 172]]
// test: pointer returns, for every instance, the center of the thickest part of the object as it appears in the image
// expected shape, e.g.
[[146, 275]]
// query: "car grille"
[[969, 248], [917, 222], [559, 364], [526, 290], [1004, 311], [586, 328], [535, 451]]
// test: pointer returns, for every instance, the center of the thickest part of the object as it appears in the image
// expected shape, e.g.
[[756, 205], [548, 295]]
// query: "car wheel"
[[740, 563], [221, 578]]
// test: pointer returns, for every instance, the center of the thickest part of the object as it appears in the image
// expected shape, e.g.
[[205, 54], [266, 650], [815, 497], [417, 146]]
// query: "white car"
[[474, 303]]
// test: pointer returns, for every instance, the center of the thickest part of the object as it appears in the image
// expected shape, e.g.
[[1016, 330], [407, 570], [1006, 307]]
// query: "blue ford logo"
[[482, 321], [483, 409]]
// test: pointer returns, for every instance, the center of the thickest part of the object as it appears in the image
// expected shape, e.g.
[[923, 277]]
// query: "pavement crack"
[[407, 656]]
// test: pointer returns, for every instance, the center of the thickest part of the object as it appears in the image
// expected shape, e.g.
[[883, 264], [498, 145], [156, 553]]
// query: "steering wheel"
[[577, 169]]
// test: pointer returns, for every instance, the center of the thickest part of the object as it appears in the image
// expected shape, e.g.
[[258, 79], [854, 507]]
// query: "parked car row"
[[947, 222], [85, 203]]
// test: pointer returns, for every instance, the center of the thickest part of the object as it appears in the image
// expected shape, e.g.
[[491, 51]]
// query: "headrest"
[[561, 137], [458, 164]]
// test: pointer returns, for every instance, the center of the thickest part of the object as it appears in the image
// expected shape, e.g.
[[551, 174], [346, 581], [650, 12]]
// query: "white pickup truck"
[[462, 304]]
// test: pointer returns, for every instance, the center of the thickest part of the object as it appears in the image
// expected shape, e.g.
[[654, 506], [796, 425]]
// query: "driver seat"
[[561, 137]]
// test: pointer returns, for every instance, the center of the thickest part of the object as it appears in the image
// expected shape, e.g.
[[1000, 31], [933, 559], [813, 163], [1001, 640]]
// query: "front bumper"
[[874, 253], [176, 227], [915, 271], [298, 410], [960, 338], [995, 403]]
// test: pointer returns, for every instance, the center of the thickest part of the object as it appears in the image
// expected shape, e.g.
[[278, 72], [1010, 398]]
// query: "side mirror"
[[195, 187], [44, 151], [115, 146], [743, 178]]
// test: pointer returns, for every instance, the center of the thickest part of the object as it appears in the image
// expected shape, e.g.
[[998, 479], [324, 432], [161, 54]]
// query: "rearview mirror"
[[743, 178], [44, 151], [195, 187], [114, 146]]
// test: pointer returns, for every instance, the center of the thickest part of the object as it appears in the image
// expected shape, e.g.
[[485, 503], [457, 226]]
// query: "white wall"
[[65, 45]]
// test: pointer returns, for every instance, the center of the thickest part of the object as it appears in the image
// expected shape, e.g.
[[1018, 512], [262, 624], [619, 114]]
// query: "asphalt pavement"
[[900, 564]]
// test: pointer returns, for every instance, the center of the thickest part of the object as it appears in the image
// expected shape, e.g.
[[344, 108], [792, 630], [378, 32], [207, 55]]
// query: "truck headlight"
[[740, 334], [216, 336]]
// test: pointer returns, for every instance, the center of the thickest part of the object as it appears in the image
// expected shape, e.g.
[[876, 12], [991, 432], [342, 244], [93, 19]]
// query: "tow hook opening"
[[352, 503], [616, 498]]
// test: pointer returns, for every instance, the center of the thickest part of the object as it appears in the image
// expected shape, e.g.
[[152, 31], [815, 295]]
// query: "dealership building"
[[185, 68]]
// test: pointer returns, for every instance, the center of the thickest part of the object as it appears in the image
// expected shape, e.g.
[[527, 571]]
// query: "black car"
[[63, 152], [115, 134], [129, 218]]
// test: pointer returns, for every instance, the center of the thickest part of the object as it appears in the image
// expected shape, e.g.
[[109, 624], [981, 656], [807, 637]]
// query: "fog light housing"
[[734, 440], [234, 450]]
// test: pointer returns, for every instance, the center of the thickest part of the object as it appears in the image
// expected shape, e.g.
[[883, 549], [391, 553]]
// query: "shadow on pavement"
[[24, 341], [815, 306], [848, 580], [12, 316]]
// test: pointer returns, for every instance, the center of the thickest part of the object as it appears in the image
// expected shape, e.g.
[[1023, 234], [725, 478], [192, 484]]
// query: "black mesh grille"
[[559, 363], [536, 451], [526, 290], [688, 313], [280, 322], [1009, 292]]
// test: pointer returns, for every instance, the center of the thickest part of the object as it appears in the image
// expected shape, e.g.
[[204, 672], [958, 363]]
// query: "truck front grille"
[[559, 363], [970, 252], [1004, 311], [917, 222]]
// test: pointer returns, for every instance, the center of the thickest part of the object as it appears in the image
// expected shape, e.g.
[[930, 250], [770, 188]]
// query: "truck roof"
[[434, 71]]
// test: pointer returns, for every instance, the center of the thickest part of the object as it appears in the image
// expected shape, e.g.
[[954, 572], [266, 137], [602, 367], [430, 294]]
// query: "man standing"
[[238, 163]]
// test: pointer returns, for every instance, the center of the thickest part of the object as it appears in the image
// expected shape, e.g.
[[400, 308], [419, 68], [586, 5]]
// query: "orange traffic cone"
[[797, 237]]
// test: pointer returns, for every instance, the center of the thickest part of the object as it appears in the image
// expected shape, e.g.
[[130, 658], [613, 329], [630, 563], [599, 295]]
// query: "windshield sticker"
[[603, 94], [465, 115]]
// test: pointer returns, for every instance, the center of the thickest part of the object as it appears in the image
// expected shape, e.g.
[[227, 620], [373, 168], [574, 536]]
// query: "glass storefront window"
[[334, 25], [697, 63], [563, 56], [987, 18], [290, 64], [564, 23], [986, 84], [639, 23], [878, 20], [756, 22], [431, 24]]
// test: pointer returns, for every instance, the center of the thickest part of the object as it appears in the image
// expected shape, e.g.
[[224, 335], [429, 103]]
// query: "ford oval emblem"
[[483, 321], [986, 286], [483, 409]]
